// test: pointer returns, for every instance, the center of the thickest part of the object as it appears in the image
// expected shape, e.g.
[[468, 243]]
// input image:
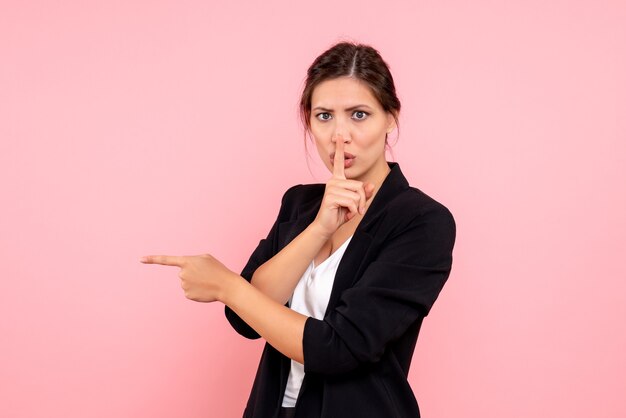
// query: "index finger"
[[339, 161], [165, 260]]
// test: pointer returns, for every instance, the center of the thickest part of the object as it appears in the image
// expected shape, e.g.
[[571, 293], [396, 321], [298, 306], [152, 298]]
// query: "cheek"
[[369, 146], [369, 140], [319, 137], [323, 152], [317, 132], [320, 146]]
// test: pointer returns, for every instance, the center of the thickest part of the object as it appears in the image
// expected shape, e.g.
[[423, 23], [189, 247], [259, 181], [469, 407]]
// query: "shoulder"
[[303, 193], [414, 201], [412, 208], [297, 196], [416, 230]]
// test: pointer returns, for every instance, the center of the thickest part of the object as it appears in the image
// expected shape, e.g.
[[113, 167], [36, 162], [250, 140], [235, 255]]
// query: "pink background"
[[131, 128]]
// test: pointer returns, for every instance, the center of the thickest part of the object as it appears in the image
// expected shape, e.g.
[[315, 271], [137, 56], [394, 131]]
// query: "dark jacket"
[[357, 358]]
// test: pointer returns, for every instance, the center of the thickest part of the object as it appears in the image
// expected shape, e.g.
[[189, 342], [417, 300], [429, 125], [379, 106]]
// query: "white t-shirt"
[[310, 298]]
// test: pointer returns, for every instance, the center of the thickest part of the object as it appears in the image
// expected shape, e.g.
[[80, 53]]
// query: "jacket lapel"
[[352, 262], [306, 213]]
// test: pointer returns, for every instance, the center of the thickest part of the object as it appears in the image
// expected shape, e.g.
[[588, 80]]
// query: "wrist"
[[230, 288], [318, 231]]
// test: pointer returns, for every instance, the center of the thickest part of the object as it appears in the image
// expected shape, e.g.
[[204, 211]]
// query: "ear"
[[391, 122]]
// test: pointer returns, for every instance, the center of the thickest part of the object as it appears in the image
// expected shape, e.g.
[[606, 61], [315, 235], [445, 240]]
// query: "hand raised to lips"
[[343, 198]]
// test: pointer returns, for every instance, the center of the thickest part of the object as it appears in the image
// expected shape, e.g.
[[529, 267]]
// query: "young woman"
[[350, 268]]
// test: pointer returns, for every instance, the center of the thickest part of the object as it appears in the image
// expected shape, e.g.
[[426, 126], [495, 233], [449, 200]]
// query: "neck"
[[376, 175]]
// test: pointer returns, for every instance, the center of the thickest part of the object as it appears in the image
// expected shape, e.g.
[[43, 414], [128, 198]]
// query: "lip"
[[346, 156], [348, 162]]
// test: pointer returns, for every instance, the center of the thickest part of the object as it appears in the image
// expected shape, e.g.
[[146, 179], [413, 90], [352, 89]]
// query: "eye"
[[319, 114], [361, 112]]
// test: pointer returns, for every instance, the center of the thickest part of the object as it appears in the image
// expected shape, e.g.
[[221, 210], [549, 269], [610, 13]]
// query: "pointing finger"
[[338, 162], [165, 260]]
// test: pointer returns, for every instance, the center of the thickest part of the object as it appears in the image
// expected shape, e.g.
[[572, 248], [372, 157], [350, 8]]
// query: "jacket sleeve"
[[266, 249], [398, 287]]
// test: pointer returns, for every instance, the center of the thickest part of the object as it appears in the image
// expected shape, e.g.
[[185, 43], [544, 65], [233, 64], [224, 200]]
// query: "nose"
[[338, 135]]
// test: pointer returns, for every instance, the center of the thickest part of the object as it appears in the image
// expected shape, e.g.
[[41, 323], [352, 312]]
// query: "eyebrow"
[[348, 108]]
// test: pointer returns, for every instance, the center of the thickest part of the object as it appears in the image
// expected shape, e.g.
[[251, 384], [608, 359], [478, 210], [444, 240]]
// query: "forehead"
[[342, 92]]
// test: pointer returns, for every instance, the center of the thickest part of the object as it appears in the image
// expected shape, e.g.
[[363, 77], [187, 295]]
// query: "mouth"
[[348, 159], [346, 156]]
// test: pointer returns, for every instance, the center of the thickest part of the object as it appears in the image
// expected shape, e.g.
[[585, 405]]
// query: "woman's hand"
[[203, 277], [343, 199]]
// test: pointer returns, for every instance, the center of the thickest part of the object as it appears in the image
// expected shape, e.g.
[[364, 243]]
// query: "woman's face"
[[344, 106]]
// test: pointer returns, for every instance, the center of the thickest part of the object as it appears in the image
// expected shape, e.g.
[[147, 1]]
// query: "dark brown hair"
[[359, 61]]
